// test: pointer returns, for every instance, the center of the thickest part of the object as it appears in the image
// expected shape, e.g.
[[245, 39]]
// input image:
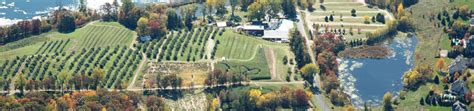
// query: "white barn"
[[281, 34]]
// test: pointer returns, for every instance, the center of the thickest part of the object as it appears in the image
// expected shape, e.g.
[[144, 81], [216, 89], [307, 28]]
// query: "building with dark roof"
[[460, 64], [459, 88], [256, 30]]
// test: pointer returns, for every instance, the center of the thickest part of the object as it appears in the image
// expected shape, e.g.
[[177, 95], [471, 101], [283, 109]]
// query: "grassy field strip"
[[86, 39], [344, 12], [242, 55], [345, 20]]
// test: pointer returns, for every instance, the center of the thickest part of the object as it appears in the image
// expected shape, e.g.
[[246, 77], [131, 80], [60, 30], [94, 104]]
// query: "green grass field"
[[430, 39], [242, 52], [102, 34], [464, 2], [256, 68]]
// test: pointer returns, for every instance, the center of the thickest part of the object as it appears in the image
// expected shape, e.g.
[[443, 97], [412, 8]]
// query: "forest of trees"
[[256, 99], [99, 100]]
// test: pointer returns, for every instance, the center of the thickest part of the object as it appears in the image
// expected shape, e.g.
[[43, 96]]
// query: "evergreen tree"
[[422, 102], [66, 23], [174, 21], [289, 8], [436, 79]]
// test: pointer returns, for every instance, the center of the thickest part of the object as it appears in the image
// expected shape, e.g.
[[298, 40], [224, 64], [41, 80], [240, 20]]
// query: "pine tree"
[[422, 102], [436, 79]]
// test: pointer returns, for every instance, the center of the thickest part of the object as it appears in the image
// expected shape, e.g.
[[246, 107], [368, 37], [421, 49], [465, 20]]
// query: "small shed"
[[221, 24], [443, 53], [145, 38]]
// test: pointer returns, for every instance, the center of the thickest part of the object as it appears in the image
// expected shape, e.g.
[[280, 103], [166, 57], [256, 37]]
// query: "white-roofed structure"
[[278, 36], [281, 34], [221, 24]]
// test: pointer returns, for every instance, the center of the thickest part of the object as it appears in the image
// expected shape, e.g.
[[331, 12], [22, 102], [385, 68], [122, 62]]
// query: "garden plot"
[[191, 73]]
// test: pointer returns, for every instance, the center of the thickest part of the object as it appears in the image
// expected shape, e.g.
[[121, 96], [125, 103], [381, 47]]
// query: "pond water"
[[367, 80]]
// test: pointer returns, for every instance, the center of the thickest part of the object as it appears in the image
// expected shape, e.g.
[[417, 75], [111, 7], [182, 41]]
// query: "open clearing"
[[239, 53]]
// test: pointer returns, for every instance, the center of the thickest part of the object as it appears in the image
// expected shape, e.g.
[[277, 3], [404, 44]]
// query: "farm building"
[[280, 33], [278, 36], [256, 30], [459, 88]]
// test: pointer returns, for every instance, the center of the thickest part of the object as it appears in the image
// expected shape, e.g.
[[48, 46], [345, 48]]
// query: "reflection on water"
[[366, 80]]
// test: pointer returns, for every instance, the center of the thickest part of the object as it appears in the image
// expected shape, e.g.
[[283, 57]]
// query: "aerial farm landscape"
[[244, 55]]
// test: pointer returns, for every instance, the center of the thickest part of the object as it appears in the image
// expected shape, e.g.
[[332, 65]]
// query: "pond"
[[367, 80]]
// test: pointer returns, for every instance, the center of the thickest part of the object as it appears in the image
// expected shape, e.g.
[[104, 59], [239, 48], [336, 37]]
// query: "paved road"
[[319, 98]]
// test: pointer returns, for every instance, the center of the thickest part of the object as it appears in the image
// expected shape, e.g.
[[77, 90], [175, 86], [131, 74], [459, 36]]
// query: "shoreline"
[[365, 51], [91, 4]]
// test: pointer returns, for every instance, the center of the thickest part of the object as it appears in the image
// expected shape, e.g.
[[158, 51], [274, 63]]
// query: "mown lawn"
[[235, 46], [240, 51], [412, 100], [101, 35], [470, 3], [256, 68]]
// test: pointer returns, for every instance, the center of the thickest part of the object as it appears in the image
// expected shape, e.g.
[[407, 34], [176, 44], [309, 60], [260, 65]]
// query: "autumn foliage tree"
[[441, 65], [308, 71], [419, 75], [255, 99], [155, 103]]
